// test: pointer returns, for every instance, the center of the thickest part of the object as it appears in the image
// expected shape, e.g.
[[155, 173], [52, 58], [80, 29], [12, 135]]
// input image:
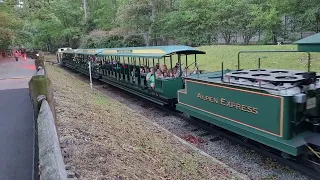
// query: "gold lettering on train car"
[[227, 103], [238, 106], [208, 98]]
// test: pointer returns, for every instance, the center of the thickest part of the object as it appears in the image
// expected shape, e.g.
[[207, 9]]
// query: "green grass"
[[101, 99], [228, 54]]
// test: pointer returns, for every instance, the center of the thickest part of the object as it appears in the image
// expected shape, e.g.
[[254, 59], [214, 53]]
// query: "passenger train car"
[[275, 107]]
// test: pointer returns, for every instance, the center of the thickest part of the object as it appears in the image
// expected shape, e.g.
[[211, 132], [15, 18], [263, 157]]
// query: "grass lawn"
[[228, 54]]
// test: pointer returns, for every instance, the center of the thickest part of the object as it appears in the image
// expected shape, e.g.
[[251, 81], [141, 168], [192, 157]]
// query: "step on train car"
[[275, 107]]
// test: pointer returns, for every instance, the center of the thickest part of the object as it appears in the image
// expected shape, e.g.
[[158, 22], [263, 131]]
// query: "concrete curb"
[[50, 158]]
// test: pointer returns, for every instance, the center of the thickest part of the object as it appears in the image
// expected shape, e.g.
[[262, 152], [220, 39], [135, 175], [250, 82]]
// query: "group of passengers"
[[163, 72], [159, 72]]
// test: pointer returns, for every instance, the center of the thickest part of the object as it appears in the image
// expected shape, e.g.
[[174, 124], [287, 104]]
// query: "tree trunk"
[[115, 10], [246, 39], [227, 37], [49, 44], [153, 12], [274, 38], [85, 10]]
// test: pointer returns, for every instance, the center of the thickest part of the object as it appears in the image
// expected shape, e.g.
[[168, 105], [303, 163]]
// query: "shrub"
[[111, 39], [134, 41]]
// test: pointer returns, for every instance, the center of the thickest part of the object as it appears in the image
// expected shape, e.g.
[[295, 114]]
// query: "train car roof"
[[88, 51], [83, 51], [149, 52], [69, 51]]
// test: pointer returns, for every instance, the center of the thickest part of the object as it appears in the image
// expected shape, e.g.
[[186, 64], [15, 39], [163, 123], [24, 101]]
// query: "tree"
[[226, 15], [190, 24], [9, 25], [305, 15], [248, 25]]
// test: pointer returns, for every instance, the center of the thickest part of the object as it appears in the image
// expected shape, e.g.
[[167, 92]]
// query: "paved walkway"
[[16, 120]]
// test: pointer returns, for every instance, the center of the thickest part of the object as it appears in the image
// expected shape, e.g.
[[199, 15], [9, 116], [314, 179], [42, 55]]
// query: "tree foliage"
[[114, 23]]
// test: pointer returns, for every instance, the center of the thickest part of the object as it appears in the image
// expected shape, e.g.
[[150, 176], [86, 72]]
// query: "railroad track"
[[303, 166]]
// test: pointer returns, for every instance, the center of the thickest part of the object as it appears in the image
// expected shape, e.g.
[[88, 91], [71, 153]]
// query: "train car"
[[121, 67], [275, 107], [60, 53]]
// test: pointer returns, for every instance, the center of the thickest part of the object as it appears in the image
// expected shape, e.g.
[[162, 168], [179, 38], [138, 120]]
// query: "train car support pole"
[[90, 74], [309, 61]]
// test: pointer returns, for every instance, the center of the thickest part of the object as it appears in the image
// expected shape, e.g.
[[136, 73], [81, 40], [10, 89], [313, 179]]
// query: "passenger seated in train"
[[185, 72], [157, 66], [164, 68], [159, 74], [169, 73], [144, 70]]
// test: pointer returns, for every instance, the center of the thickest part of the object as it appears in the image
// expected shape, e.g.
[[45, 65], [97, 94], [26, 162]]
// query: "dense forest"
[[49, 24]]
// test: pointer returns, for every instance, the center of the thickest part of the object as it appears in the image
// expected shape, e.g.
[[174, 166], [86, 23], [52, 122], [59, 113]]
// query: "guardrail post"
[[41, 85], [39, 61], [51, 164]]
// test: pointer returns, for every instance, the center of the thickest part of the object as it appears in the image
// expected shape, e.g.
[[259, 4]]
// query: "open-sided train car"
[[120, 67]]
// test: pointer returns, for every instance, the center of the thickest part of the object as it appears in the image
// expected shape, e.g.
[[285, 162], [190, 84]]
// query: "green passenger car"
[[120, 67]]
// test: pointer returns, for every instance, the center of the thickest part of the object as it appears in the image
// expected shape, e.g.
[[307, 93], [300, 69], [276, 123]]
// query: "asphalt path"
[[16, 120]]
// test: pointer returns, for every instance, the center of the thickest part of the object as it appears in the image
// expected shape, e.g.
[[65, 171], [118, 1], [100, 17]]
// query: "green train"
[[275, 107]]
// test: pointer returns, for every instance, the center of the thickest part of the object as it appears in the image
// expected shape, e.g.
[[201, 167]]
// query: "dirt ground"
[[51, 58], [107, 140]]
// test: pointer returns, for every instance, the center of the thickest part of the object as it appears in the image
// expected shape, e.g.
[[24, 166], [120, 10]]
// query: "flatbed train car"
[[275, 107]]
